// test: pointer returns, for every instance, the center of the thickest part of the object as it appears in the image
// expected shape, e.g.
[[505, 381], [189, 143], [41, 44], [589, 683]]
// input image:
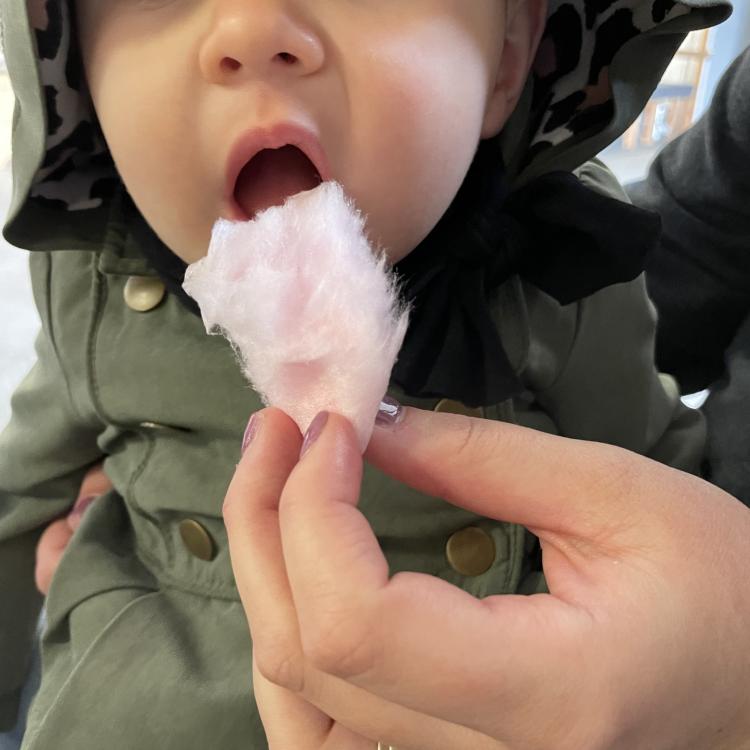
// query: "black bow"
[[566, 239]]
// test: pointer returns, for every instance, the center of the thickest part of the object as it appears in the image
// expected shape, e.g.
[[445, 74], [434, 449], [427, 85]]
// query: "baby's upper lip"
[[251, 142]]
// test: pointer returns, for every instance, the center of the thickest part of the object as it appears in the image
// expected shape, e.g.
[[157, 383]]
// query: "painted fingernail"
[[250, 432], [76, 514], [81, 504], [390, 412], [313, 432]]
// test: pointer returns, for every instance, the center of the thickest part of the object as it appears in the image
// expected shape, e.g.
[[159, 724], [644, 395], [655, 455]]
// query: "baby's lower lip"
[[234, 212]]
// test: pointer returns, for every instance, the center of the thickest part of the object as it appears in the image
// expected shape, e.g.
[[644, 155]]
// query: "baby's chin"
[[189, 242], [394, 245], [192, 254], [187, 248], [398, 248], [401, 233]]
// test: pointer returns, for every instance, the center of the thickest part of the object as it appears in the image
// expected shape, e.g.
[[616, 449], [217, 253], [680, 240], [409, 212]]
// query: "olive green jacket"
[[147, 645]]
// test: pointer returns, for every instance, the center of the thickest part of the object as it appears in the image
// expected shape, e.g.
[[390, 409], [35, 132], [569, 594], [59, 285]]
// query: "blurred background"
[[18, 319], [682, 97], [685, 92]]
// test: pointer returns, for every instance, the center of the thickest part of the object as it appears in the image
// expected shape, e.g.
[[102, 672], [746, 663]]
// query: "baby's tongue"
[[273, 175]]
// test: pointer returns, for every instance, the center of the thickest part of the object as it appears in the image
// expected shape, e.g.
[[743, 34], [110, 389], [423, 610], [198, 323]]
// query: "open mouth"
[[272, 176]]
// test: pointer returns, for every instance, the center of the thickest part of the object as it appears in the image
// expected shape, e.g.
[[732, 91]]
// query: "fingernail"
[[250, 432], [313, 432], [81, 504], [390, 412], [76, 514]]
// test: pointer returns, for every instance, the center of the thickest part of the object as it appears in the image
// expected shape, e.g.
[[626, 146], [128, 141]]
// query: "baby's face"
[[388, 97]]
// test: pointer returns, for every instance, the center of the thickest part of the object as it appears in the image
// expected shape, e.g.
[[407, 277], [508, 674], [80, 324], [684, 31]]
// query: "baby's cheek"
[[406, 192]]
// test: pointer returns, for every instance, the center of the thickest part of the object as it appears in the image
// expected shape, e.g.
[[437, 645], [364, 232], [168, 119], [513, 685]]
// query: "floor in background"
[[19, 321]]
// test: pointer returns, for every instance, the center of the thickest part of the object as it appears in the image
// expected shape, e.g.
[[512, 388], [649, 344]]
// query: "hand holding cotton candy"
[[311, 311]]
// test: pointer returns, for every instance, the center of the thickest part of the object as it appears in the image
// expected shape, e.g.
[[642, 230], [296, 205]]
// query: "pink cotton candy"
[[311, 310]]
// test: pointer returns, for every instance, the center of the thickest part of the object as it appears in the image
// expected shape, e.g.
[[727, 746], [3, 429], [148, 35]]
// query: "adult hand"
[[56, 536], [642, 642]]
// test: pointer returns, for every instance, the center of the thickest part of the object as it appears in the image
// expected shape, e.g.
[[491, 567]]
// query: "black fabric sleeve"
[[699, 280]]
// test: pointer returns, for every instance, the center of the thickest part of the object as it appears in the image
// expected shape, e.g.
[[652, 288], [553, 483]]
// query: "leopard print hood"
[[598, 63]]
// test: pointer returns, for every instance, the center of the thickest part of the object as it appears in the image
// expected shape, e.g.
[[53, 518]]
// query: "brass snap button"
[[471, 551], [143, 293], [197, 540], [449, 406]]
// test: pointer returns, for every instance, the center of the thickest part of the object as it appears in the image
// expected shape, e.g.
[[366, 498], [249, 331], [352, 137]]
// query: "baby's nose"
[[259, 39]]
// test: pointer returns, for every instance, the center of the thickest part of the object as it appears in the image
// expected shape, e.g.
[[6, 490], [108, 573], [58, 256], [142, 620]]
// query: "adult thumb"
[[511, 473]]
